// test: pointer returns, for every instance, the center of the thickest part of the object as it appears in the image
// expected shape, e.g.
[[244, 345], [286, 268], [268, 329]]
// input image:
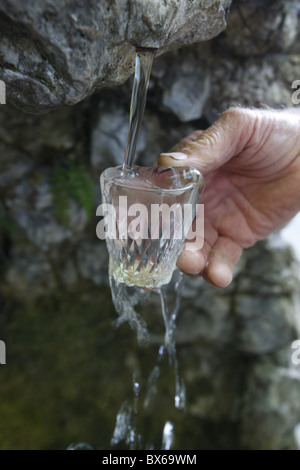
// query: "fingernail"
[[175, 155]]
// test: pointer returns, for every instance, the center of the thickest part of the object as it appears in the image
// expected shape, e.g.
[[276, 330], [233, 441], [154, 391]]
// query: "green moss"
[[7, 225], [72, 182], [45, 82], [10, 67]]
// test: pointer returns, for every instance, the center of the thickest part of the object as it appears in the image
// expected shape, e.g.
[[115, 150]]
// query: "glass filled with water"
[[147, 214]]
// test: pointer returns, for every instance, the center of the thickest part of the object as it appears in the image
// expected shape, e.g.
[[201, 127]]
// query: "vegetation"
[[75, 182]]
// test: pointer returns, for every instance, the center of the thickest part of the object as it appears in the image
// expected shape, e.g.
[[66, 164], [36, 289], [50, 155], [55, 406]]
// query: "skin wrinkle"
[[256, 141], [250, 214], [251, 163], [215, 133], [277, 210], [194, 255], [224, 254], [238, 116]]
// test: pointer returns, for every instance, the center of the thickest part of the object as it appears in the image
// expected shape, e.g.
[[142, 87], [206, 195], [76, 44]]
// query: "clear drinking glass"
[[151, 210]]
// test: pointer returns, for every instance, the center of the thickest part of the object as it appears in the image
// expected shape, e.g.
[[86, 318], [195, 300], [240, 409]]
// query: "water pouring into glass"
[[152, 208], [149, 211]]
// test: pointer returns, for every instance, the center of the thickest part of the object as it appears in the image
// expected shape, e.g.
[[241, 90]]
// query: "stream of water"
[[127, 298], [143, 65]]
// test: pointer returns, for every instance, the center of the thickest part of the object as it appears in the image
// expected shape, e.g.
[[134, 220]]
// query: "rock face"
[[234, 345], [57, 52]]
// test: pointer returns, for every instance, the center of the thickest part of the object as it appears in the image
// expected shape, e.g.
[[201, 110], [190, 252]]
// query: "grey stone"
[[29, 273], [271, 408], [14, 166], [109, 137], [265, 302], [55, 53], [92, 261], [31, 208], [68, 274], [110, 130], [265, 323], [233, 344], [187, 97], [186, 87], [269, 269], [207, 320], [252, 83], [42, 138], [256, 28]]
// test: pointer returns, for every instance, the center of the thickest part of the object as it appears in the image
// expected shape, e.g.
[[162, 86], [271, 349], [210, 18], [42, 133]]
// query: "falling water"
[[168, 436], [143, 66], [126, 421], [170, 326], [126, 298], [169, 317]]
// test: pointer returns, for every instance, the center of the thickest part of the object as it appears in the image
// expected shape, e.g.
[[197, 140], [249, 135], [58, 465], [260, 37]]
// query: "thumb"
[[226, 138]]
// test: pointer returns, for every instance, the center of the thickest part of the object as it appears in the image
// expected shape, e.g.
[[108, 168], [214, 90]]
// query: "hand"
[[250, 160]]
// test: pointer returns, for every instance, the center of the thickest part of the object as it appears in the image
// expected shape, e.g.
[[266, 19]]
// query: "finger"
[[187, 140], [223, 257], [193, 261], [212, 148]]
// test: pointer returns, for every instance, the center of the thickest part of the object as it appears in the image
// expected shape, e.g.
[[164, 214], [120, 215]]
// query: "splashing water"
[[126, 421], [169, 317], [126, 299], [168, 436]]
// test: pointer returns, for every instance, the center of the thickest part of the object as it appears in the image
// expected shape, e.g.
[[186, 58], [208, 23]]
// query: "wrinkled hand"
[[250, 160]]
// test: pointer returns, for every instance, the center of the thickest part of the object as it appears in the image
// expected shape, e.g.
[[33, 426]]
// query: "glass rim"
[[200, 183]]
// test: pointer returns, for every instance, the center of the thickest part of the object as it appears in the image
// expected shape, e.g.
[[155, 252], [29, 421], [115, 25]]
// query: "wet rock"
[[258, 314], [265, 323], [92, 261], [255, 28], [271, 407], [209, 321], [253, 83], [68, 274], [265, 299], [54, 54], [31, 208], [109, 137], [14, 166], [110, 130], [29, 273], [186, 86], [233, 344], [44, 139], [270, 269]]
